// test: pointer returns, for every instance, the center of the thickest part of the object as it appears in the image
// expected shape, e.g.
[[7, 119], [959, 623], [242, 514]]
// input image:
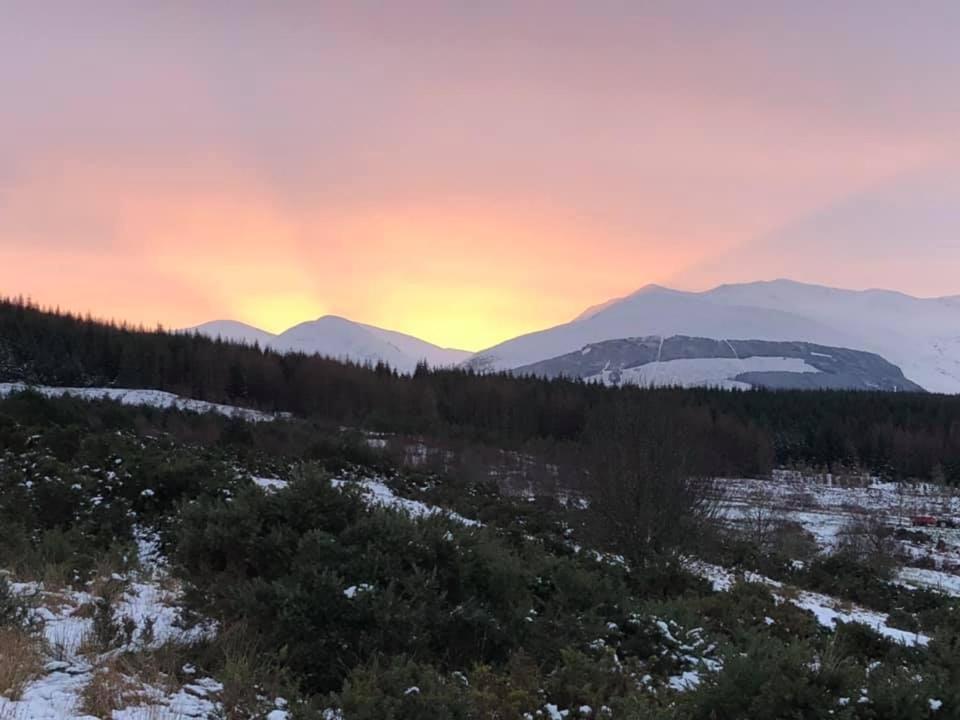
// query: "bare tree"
[[764, 518], [869, 538], [645, 488]]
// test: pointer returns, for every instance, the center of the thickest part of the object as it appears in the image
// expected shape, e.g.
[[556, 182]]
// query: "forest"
[[896, 435]]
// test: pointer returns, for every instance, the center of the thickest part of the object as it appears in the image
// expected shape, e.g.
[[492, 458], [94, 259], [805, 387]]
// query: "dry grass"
[[788, 592], [122, 681], [105, 584], [158, 667], [20, 661], [109, 689], [244, 671], [85, 611], [56, 577]]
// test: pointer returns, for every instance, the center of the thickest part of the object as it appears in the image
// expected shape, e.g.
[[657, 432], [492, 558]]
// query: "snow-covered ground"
[[826, 504], [827, 610], [152, 398], [70, 665], [376, 492], [943, 582], [72, 662]]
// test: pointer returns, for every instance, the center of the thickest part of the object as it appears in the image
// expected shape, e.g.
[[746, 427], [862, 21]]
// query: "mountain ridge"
[[919, 335], [341, 338]]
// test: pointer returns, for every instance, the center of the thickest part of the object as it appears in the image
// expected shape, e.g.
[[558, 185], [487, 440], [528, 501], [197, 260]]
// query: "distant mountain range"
[[917, 340], [342, 339]]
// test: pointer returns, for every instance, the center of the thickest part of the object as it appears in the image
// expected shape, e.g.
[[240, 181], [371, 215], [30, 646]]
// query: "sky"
[[466, 172]]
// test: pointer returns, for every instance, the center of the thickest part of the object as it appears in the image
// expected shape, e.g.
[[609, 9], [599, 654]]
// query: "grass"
[[109, 689], [20, 660], [158, 667]]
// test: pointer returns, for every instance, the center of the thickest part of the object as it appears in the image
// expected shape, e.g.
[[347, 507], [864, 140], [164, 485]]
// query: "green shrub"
[[401, 689]]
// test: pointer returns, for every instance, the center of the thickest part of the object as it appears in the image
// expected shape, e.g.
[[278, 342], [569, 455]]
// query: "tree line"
[[900, 435]]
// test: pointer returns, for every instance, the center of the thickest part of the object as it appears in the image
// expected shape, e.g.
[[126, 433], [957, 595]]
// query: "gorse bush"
[[318, 572], [337, 604]]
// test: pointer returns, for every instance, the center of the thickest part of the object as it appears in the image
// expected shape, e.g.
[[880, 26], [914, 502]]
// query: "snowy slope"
[[347, 340], [657, 311], [233, 331], [417, 349], [688, 361], [920, 336], [133, 396], [708, 372], [342, 339]]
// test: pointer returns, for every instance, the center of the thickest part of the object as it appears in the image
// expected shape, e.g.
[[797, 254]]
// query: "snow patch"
[[150, 398]]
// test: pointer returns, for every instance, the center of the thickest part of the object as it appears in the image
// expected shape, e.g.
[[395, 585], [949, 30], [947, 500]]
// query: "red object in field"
[[923, 521]]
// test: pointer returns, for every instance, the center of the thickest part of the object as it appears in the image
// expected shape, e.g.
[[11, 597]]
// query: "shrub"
[[401, 689], [109, 689], [771, 680], [14, 607]]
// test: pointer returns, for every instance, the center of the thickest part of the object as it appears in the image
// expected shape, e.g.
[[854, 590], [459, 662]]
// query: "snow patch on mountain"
[[696, 372]]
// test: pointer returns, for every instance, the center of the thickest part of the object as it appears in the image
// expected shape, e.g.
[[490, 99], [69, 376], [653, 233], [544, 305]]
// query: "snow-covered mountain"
[[234, 331], [920, 336], [342, 339]]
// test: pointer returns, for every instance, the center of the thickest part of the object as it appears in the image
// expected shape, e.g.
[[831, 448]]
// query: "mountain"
[[920, 336], [742, 364], [340, 338], [233, 331]]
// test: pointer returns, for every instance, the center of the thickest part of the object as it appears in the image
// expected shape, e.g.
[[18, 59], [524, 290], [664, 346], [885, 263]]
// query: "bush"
[[401, 689], [14, 608], [771, 680]]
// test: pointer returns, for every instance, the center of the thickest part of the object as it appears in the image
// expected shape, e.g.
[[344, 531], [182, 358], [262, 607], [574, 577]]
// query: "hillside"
[[919, 336], [731, 364], [161, 562]]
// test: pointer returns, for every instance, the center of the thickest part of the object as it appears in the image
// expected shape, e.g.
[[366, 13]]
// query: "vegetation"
[[339, 604], [727, 433], [570, 592]]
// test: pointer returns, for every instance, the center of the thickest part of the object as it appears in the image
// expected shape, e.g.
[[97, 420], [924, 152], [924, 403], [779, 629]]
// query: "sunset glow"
[[275, 167]]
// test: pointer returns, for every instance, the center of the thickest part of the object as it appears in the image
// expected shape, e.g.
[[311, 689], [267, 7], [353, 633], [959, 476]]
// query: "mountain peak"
[[341, 338], [918, 335]]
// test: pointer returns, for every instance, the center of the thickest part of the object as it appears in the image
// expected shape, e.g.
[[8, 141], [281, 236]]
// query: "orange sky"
[[467, 174]]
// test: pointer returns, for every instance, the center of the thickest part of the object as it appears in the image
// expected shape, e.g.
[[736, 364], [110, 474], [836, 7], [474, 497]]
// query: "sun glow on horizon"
[[424, 171]]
